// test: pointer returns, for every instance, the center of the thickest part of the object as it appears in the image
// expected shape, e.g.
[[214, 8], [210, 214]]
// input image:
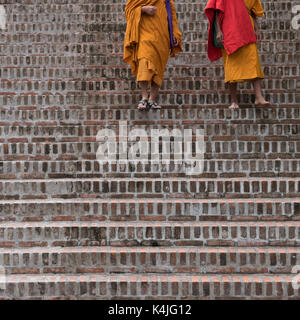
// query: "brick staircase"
[[70, 229]]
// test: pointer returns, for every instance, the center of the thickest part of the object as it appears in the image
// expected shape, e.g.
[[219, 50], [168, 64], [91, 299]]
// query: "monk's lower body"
[[147, 76], [147, 46], [149, 53], [241, 66]]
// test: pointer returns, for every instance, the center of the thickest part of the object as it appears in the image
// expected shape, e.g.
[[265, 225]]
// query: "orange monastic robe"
[[147, 41], [244, 64]]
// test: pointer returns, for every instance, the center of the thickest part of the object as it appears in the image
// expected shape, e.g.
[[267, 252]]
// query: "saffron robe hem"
[[146, 72], [244, 64]]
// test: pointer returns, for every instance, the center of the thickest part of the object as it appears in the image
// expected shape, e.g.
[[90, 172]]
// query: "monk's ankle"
[[259, 99]]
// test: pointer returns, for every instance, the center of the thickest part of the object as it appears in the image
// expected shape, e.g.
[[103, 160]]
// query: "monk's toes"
[[234, 106]]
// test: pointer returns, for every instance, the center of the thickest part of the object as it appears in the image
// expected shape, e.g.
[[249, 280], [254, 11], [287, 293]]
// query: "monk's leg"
[[259, 99], [233, 95], [144, 87], [153, 95]]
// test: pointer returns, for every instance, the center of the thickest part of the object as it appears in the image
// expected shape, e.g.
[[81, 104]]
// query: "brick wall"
[[72, 229]]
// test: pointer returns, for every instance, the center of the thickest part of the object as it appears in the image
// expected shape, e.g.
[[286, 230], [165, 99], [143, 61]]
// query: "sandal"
[[154, 105], [143, 102]]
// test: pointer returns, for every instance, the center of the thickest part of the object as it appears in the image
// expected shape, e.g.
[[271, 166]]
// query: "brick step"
[[125, 97], [150, 286], [272, 42], [112, 43], [92, 169], [110, 23], [149, 234], [79, 23], [110, 13], [72, 83], [151, 209], [222, 149], [107, 260], [247, 115], [103, 46], [36, 101], [76, 73], [16, 16], [213, 130], [91, 37], [162, 188], [80, 17], [120, 5], [114, 59], [107, 6], [114, 32], [288, 56], [175, 74], [73, 33], [79, 60]]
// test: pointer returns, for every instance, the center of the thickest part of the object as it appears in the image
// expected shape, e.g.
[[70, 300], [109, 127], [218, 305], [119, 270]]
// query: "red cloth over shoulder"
[[235, 24]]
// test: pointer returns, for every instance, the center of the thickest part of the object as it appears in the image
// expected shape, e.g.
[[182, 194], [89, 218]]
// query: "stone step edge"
[[92, 107], [173, 278], [44, 140], [91, 124], [39, 161], [135, 179], [248, 108], [243, 106], [131, 106], [40, 139], [145, 224], [150, 250], [79, 174], [146, 200]]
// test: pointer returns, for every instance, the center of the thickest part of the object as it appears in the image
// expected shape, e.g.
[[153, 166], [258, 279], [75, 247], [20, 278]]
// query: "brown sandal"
[[154, 105], [145, 104]]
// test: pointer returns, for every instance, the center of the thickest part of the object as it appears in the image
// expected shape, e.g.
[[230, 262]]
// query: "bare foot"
[[262, 102], [234, 106]]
